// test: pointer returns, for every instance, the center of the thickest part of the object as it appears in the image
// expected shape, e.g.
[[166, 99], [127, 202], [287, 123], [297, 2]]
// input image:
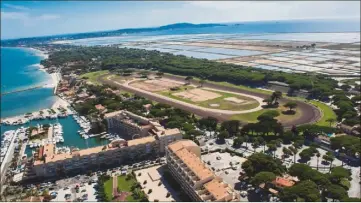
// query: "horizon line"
[[247, 21]]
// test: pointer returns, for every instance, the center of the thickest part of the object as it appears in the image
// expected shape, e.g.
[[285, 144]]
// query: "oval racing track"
[[310, 114]]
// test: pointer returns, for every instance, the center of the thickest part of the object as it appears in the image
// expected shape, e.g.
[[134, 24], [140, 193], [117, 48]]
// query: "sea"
[[20, 66]]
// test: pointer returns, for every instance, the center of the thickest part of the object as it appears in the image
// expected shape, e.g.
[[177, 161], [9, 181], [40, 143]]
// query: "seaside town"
[[261, 120]]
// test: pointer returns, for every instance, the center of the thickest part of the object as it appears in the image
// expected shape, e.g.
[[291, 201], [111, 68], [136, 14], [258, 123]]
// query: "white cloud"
[[26, 19], [16, 7], [276, 10], [13, 15], [47, 17]]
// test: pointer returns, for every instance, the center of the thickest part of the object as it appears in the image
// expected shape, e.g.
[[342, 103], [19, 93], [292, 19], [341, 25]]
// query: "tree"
[[268, 101], [231, 126], [259, 162], [276, 96], [222, 136], [329, 157], [287, 152], [351, 199], [318, 157], [272, 148], [237, 142], [294, 151], [291, 105], [159, 74], [345, 87], [268, 116], [351, 143], [263, 177], [336, 192], [188, 79], [255, 144], [262, 142], [306, 154], [304, 190], [201, 82], [338, 173], [331, 121], [209, 124]]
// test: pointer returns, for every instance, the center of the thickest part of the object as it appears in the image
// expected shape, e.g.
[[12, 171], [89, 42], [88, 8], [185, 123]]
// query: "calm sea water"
[[19, 70], [343, 30]]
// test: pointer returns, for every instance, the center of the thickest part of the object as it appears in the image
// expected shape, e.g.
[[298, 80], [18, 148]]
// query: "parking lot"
[[86, 192], [225, 165], [160, 187]]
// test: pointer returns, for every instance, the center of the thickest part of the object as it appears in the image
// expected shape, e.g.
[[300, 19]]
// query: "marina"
[[52, 113]]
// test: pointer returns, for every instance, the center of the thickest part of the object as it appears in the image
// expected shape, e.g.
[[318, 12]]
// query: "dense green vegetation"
[[85, 59], [259, 162], [114, 58], [347, 144]]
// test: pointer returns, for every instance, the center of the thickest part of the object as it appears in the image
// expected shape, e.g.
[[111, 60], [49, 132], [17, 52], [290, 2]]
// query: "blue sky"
[[39, 18]]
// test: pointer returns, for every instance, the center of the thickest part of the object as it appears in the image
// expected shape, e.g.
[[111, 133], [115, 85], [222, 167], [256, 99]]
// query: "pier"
[[23, 90]]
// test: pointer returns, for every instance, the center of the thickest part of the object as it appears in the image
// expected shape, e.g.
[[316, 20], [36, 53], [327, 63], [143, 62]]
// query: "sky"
[[41, 18]]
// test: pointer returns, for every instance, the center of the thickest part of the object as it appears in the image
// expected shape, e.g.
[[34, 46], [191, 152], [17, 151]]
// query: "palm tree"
[[318, 156]]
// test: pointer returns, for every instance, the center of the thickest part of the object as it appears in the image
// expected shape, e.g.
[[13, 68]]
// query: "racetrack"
[[310, 114]]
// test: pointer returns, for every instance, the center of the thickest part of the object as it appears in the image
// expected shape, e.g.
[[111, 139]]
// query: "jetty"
[[24, 89]]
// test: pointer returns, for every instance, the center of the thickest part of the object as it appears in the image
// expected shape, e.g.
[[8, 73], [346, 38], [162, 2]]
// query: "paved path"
[[115, 186], [310, 113]]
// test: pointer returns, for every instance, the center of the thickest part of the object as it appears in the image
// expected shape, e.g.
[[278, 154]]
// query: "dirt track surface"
[[310, 113]]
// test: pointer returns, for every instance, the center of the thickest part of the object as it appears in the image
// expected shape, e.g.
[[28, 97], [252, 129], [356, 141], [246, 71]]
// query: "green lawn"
[[223, 104], [108, 189], [249, 117], [327, 113], [252, 117], [93, 76], [123, 185]]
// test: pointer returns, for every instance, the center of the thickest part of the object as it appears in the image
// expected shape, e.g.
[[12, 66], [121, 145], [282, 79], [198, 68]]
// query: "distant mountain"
[[167, 27], [45, 39]]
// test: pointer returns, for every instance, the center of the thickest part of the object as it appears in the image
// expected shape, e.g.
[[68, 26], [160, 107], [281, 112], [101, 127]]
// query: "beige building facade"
[[195, 178], [115, 153]]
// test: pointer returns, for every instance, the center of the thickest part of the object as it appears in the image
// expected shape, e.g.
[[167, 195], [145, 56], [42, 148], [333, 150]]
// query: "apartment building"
[[195, 178], [115, 153], [127, 123]]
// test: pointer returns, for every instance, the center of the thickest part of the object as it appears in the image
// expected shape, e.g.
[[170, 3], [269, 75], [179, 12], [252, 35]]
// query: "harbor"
[[69, 131]]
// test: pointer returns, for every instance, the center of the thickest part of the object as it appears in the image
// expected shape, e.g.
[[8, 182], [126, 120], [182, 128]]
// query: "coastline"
[[49, 82]]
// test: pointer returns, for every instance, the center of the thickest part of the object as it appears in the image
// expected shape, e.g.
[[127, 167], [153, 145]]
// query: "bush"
[[150, 191]]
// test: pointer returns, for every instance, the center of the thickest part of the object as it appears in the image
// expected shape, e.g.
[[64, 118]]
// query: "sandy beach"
[[60, 103], [40, 53]]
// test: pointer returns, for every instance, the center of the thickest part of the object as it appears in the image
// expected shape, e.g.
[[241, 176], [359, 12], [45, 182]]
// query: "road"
[[310, 113]]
